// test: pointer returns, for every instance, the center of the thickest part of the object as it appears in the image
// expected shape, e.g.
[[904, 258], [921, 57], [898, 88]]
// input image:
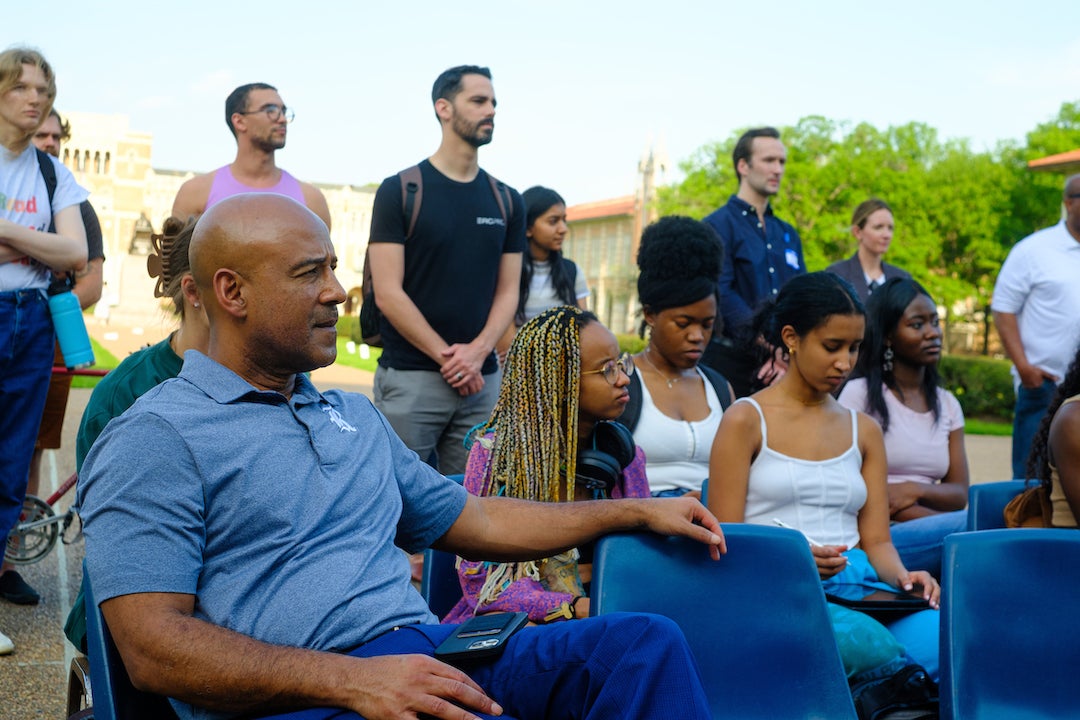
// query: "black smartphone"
[[480, 637]]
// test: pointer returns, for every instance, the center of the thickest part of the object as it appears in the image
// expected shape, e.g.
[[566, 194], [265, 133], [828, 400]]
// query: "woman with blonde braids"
[[564, 376]]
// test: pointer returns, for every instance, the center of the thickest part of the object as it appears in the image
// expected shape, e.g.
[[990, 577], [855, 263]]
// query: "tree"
[[957, 211]]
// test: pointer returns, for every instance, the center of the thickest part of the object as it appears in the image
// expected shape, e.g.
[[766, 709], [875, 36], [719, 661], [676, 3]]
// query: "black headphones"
[[600, 465]]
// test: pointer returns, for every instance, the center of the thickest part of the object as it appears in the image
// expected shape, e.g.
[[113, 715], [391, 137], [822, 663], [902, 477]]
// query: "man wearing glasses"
[[258, 119], [1036, 305]]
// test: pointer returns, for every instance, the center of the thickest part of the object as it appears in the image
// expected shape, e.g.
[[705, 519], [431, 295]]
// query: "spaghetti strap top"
[[822, 498]]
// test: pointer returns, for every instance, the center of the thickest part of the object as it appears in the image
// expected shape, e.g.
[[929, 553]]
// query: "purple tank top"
[[225, 185]]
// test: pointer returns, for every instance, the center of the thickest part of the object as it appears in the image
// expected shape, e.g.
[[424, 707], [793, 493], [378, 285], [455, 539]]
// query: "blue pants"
[[618, 666], [919, 541], [26, 356], [1031, 406], [918, 632]]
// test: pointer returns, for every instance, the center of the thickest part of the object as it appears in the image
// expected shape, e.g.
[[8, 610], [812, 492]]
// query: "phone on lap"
[[483, 636]]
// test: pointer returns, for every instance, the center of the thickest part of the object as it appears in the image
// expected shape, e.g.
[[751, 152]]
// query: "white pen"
[[809, 539]]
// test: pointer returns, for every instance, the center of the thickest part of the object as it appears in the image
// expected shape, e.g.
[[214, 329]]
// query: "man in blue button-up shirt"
[[761, 253]]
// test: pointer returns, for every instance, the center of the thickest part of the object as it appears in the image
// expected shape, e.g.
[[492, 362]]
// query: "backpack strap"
[[571, 272], [502, 197], [412, 192], [720, 385], [48, 173]]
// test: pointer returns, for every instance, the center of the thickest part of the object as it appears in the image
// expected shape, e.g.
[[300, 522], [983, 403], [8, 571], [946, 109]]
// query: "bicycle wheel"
[[32, 539]]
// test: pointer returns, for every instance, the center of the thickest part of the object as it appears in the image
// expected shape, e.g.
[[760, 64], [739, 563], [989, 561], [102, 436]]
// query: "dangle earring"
[[888, 355]]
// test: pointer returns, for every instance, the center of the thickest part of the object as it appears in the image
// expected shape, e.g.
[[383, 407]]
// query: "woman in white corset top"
[[792, 452]]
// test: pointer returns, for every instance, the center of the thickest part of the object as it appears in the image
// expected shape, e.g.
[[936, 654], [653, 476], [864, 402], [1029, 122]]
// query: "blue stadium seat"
[[756, 620], [439, 583], [986, 501], [1010, 640], [114, 697]]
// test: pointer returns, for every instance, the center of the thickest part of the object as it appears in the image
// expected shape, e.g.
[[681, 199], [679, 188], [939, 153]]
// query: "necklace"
[[670, 381]]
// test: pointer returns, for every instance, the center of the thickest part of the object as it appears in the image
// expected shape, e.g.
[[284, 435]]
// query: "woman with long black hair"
[[548, 279]]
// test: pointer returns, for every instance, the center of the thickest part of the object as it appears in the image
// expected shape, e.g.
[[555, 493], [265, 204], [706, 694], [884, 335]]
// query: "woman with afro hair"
[[675, 403]]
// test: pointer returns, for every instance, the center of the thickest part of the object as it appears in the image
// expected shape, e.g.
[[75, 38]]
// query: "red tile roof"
[[616, 207], [1066, 161]]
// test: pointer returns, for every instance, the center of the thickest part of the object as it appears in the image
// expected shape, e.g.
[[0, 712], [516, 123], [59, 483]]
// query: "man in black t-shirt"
[[449, 290]]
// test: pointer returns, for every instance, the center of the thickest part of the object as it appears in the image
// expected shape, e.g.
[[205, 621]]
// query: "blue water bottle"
[[70, 327]]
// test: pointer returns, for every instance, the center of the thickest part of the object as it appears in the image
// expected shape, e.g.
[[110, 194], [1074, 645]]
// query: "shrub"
[[630, 342], [983, 385]]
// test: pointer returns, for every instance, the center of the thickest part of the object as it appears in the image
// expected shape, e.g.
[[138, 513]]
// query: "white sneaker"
[[6, 646]]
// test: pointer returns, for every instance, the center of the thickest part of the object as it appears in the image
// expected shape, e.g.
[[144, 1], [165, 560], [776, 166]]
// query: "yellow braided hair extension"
[[535, 424], [535, 418]]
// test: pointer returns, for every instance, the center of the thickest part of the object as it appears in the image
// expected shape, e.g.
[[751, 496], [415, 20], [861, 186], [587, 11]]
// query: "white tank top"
[[677, 451], [822, 498]]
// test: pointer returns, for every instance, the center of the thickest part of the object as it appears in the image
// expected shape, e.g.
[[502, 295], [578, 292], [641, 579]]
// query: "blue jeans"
[[26, 356], [919, 633], [919, 541], [622, 665], [1031, 405]]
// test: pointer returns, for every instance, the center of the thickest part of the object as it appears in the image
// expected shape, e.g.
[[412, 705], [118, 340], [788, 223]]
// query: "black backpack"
[[908, 694], [412, 192]]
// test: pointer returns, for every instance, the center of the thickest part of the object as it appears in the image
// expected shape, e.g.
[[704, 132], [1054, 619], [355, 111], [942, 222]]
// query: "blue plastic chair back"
[[756, 620], [1010, 640], [987, 501], [439, 584], [114, 697]]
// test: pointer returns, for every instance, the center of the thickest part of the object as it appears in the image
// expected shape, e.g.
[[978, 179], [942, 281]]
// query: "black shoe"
[[14, 589]]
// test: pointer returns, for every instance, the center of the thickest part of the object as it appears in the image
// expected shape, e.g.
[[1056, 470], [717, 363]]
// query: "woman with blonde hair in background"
[[873, 227]]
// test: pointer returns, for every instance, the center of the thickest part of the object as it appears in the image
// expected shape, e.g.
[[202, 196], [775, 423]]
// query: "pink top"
[[225, 185], [917, 448]]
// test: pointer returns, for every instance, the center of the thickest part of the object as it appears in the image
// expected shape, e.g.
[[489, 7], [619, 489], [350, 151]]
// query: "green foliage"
[[958, 211], [630, 343], [983, 385], [103, 360], [345, 325], [974, 426]]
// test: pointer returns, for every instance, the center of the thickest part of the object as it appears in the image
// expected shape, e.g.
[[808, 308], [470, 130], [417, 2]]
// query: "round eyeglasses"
[[622, 364], [273, 112]]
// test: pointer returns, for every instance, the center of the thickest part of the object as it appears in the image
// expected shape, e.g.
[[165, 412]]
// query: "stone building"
[[603, 241]]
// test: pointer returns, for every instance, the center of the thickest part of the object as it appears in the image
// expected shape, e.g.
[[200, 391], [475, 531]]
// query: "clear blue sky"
[[582, 86]]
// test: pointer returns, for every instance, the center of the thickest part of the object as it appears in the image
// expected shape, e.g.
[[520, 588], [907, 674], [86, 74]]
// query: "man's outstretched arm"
[[499, 528], [169, 652]]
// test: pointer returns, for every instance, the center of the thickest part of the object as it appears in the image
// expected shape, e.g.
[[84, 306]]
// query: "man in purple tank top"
[[258, 119]]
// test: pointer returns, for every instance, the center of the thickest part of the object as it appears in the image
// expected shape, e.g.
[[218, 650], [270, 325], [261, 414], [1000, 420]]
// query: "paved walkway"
[[33, 679]]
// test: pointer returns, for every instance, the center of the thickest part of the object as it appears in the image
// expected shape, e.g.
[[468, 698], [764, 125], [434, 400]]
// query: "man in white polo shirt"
[[1037, 313]]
